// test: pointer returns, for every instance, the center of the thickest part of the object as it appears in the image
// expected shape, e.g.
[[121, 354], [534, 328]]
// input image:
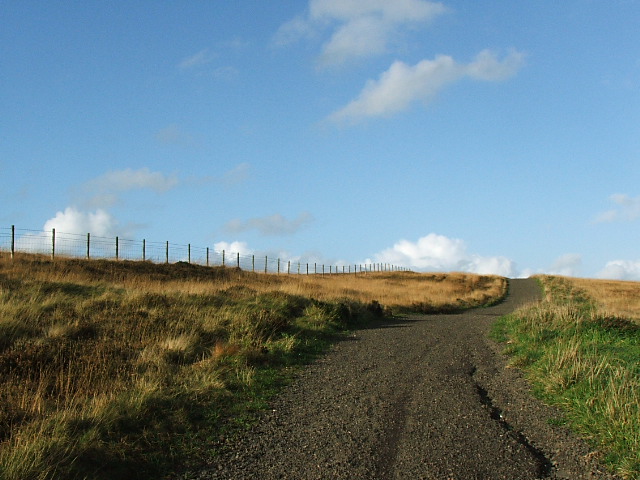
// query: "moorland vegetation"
[[120, 369]]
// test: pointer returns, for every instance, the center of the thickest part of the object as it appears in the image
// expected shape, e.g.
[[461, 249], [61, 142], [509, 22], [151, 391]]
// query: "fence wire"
[[54, 243]]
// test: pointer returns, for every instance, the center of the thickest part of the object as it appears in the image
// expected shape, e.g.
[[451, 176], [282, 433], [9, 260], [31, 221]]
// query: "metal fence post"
[[53, 244], [13, 241], [88, 245]]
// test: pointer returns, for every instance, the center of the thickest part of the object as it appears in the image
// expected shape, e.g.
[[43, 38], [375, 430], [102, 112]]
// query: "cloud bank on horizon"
[[435, 252]]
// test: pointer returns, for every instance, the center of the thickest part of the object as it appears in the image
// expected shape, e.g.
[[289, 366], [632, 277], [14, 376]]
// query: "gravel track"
[[415, 397]]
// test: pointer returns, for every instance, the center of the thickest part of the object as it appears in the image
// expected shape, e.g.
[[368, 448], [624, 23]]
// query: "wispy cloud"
[[402, 85], [105, 190], [626, 209], [197, 59], [568, 265], [173, 135], [90, 212], [236, 175], [272, 225], [435, 252], [358, 29]]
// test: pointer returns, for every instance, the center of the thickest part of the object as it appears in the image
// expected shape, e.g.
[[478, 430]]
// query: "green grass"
[[586, 363]]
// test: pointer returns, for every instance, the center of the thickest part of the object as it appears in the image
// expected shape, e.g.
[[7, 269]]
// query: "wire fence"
[[14, 241]]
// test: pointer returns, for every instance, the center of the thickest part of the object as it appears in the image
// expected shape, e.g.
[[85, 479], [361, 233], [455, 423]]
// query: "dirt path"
[[419, 397]]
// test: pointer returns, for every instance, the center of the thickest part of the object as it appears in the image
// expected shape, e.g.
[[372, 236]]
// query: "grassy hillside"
[[580, 348], [613, 298], [130, 369]]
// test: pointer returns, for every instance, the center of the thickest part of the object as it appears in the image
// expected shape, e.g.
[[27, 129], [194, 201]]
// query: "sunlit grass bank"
[[585, 359], [132, 369]]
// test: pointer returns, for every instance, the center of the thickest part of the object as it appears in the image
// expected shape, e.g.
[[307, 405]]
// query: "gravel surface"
[[415, 397]]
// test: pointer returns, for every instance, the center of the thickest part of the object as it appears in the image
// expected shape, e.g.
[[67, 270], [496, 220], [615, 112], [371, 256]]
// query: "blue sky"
[[494, 137]]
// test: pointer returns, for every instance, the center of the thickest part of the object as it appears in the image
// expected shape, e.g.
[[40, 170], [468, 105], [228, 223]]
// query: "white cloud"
[[621, 270], [97, 195], [435, 252], [402, 84], [99, 223], [627, 209], [272, 225], [359, 28], [568, 265], [233, 247], [491, 266], [486, 66]]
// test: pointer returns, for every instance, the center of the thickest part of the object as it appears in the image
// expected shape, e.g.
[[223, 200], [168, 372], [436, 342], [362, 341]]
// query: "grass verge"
[[586, 363], [135, 370]]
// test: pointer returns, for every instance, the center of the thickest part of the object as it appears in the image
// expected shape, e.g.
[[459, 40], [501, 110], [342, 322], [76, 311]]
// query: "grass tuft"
[[586, 362]]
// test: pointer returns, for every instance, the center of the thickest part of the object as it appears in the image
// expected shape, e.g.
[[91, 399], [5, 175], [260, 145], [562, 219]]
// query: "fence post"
[[315, 268], [278, 266], [265, 264], [223, 258], [238, 260], [188, 253], [253, 263], [307, 269], [53, 244], [144, 249], [117, 248], [330, 269], [298, 268], [167, 253], [289, 267], [207, 256], [323, 269], [88, 245]]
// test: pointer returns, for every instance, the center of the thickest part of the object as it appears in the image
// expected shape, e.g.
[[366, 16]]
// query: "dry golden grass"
[[103, 361], [613, 297], [403, 290]]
